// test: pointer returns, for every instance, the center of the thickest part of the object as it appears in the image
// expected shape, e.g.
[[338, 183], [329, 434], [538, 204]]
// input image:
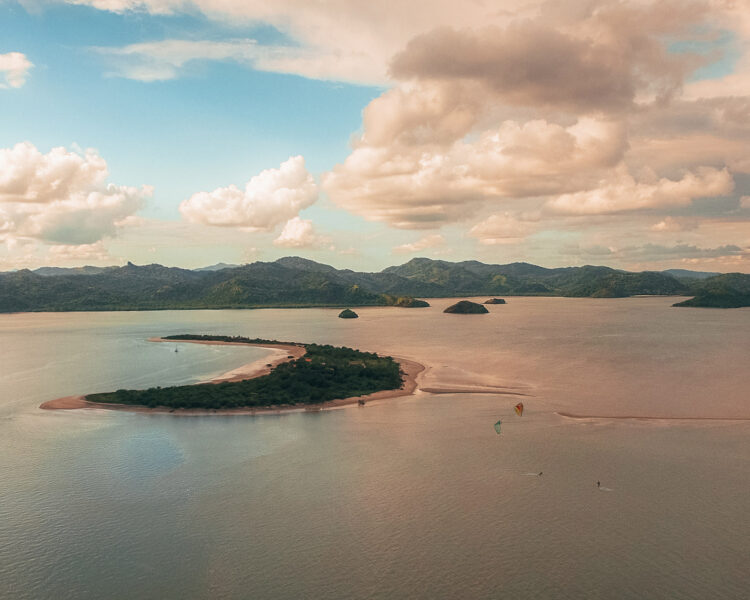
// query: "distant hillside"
[[156, 287], [294, 281], [685, 274], [522, 279], [55, 271], [731, 290], [217, 267]]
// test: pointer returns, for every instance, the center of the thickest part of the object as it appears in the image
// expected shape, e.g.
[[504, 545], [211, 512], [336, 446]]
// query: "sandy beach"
[[281, 353]]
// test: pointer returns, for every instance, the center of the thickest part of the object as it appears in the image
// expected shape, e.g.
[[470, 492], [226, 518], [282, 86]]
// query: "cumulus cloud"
[[14, 69], [61, 197], [428, 241], [270, 198], [300, 233], [530, 63], [418, 185], [539, 106], [626, 194]]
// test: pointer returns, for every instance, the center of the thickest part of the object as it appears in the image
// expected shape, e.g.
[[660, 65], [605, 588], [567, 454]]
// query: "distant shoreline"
[[258, 368]]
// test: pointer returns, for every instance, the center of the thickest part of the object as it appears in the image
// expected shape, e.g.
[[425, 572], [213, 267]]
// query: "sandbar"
[[568, 415], [410, 369]]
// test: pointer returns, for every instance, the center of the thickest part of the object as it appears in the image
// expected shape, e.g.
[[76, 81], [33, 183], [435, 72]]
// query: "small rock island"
[[348, 313], [495, 301], [465, 307], [409, 302]]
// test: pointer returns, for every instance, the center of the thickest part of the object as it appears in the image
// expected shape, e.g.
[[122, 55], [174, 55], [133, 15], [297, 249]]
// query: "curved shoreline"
[[258, 368]]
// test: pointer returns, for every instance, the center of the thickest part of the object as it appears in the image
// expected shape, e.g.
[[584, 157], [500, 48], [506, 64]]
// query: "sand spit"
[[410, 368], [473, 390], [647, 418]]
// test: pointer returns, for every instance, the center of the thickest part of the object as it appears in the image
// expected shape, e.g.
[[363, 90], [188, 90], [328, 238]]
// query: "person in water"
[[598, 484], [540, 473]]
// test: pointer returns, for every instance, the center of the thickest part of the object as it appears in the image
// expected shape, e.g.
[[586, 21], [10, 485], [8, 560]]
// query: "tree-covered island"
[[324, 373]]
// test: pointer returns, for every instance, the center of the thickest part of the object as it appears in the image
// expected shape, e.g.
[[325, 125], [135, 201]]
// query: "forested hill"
[[293, 281], [731, 290]]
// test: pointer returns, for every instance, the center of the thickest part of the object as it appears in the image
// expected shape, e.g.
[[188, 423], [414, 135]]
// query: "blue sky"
[[218, 124], [425, 129]]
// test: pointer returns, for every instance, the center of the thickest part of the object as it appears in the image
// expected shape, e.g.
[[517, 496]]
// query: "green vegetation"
[[233, 339], [731, 290], [324, 373], [154, 287], [348, 314], [465, 307], [405, 302], [296, 282]]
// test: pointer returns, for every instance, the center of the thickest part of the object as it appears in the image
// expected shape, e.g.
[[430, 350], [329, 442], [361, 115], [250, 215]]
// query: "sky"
[[362, 134]]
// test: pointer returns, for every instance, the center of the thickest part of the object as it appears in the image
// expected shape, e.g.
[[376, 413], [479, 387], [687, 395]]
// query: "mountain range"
[[295, 282]]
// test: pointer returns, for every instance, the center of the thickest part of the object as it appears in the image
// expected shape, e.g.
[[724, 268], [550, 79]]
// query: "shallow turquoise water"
[[409, 498]]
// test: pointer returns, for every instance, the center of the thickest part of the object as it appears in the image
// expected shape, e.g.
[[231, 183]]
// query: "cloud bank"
[[619, 123]]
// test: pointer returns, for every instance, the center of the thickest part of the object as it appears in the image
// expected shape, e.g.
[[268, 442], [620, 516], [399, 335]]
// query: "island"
[[466, 307], [495, 301], [348, 313], [302, 377], [407, 302]]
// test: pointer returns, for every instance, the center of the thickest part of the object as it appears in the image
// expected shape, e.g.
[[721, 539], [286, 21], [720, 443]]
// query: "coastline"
[[258, 368]]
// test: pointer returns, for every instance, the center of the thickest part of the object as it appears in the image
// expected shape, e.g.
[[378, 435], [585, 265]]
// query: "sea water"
[[414, 497]]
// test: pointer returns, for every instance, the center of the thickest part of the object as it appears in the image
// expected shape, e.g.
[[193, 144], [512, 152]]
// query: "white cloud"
[[300, 233], [626, 194], [428, 241], [14, 68], [674, 224], [27, 175], [169, 59], [61, 196], [157, 7], [270, 198], [501, 229], [83, 253]]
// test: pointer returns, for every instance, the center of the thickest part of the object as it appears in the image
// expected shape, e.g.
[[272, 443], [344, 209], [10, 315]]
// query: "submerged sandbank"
[[411, 369]]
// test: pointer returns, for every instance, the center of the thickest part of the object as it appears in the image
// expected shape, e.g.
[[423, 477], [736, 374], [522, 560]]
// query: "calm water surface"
[[409, 498]]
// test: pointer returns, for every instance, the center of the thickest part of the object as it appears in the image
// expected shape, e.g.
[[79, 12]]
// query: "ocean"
[[413, 497]]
